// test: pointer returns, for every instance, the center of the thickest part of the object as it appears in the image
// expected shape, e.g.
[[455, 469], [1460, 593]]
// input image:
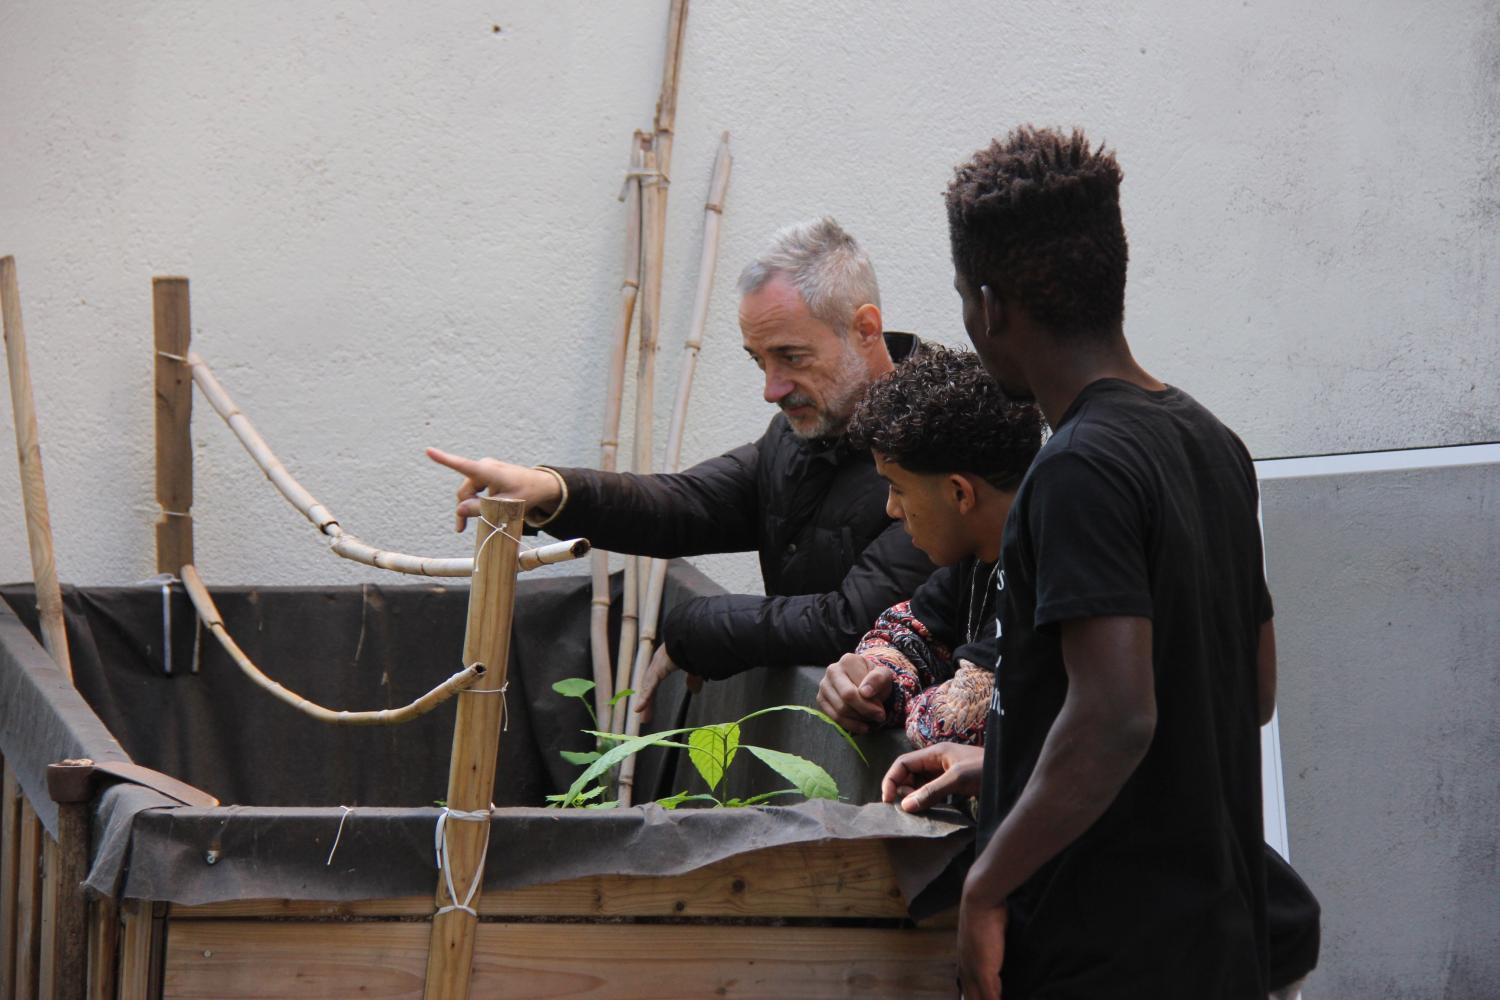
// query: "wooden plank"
[[140, 947], [242, 959], [822, 879], [28, 903], [10, 860], [104, 943], [476, 740], [64, 952], [46, 988], [173, 329]]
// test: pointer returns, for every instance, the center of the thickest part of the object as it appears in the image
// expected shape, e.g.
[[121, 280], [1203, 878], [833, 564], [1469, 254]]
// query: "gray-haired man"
[[812, 507]]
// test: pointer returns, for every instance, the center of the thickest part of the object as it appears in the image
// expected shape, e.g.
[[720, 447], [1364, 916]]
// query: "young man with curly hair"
[[1120, 842], [952, 450]]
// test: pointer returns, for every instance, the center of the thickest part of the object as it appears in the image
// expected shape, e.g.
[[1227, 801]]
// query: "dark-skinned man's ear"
[[994, 310]]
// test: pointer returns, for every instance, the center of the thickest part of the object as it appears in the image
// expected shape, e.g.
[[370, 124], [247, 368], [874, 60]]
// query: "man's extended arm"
[[717, 637], [711, 507]]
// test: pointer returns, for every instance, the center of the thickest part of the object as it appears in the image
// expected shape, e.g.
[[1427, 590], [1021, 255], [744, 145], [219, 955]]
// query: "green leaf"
[[756, 800], [816, 714], [621, 697], [573, 687], [592, 793], [614, 755], [712, 750], [673, 801], [611, 804], [810, 779], [579, 757]]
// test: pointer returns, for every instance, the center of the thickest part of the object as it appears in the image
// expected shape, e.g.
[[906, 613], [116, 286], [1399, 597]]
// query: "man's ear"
[[866, 328], [962, 493], [994, 311]]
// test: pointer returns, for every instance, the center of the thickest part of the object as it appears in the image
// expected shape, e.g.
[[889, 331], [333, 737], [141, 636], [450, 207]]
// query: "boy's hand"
[[922, 777], [853, 692]]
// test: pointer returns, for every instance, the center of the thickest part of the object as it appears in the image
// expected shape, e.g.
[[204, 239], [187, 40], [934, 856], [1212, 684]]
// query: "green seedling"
[[712, 749]]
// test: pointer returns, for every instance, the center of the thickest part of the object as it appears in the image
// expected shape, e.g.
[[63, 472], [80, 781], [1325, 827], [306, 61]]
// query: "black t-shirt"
[[1141, 504]]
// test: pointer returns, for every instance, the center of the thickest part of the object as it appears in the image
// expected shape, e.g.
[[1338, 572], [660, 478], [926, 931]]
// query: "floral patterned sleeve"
[[905, 644], [953, 711]]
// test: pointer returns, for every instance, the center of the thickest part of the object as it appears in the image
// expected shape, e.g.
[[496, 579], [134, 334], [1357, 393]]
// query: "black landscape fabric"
[[291, 786]]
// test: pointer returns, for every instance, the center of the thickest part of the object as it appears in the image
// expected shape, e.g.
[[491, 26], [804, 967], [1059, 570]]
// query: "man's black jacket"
[[815, 511]]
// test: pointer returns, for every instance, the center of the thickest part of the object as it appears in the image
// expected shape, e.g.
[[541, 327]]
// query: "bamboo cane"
[[33, 483], [209, 614], [666, 103], [652, 191], [355, 550], [476, 740], [713, 214], [340, 541], [173, 330], [609, 441]]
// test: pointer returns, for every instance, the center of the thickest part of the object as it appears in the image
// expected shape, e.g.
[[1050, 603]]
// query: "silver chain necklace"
[[983, 596]]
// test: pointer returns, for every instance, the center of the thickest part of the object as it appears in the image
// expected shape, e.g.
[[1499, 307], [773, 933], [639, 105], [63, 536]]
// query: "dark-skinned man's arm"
[[1098, 739]]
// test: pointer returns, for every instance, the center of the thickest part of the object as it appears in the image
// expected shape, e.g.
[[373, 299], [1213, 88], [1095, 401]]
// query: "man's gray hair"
[[826, 266]]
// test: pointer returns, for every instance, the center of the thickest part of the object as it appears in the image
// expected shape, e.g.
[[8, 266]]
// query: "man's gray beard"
[[853, 379]]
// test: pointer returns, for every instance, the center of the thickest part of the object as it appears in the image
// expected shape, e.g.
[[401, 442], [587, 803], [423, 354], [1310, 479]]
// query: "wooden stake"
[[208, 613], [656, 569], [476, 740], [609, 440], [174, 412], [33, 483]]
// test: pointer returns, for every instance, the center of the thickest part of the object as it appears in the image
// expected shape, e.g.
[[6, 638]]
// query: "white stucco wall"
[[401, 225]]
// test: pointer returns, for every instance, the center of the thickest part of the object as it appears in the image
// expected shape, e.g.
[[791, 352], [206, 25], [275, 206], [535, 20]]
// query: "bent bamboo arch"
[[344, 544]]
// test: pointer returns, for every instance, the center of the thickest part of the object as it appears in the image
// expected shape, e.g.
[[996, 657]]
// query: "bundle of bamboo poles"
[[656, 569], [645, 196]]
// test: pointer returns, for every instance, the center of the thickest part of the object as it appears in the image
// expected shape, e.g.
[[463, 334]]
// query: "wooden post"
[[104, 944], [33, 484], [28, 902], [65, 862], [174, 411], [10, 873], [476, 740], [141, 940]]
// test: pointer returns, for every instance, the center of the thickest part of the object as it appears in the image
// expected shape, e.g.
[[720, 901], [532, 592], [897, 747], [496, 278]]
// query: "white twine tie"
[[336, 836], [504, 705], [440, 845]]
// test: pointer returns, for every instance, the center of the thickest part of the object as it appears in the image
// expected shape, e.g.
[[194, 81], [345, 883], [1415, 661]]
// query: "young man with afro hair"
[[1120, 844]]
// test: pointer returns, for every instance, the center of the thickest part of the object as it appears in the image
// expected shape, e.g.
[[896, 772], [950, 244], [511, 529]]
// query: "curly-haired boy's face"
[[812, 373], [931, 507]]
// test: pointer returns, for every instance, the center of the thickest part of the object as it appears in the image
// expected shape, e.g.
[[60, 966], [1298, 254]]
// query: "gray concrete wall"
[[401, 224], [1387, 590]]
